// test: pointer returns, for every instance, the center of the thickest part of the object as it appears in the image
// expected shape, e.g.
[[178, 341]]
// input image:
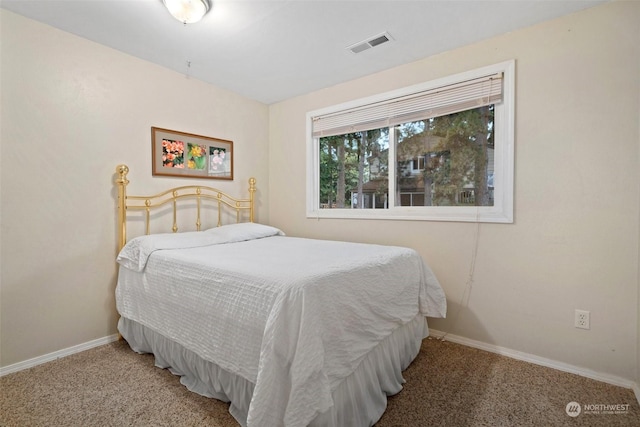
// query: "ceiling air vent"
[[369, 43]]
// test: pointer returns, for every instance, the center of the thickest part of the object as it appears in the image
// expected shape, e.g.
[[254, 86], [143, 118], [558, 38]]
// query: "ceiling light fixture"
[[187, 11]]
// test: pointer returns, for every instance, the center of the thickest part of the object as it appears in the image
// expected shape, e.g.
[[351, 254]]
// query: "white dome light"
[[187, 11]]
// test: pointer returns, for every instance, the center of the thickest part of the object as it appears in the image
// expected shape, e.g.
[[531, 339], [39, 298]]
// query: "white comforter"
[[293, 316]]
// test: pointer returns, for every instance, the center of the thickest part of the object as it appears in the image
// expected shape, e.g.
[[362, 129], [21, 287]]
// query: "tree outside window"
[[441, 161]]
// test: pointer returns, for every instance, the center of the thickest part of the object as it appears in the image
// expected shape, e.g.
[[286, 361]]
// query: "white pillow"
[[136, 252]]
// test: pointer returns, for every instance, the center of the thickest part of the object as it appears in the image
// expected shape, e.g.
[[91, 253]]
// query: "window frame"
[[504, 134]]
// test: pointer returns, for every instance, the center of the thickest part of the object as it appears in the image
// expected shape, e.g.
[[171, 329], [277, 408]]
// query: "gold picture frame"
[[187, 155]]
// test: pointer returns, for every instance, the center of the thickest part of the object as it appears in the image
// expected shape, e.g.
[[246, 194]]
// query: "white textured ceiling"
[[270, 50]]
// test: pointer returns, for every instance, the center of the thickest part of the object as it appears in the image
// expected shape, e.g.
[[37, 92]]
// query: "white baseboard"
[[542, 361], [56, 355]]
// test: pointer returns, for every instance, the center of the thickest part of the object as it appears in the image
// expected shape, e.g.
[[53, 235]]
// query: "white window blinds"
[[422, 105]]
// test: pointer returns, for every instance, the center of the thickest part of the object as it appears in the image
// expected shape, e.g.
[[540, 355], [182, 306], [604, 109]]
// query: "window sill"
[[436, 213]]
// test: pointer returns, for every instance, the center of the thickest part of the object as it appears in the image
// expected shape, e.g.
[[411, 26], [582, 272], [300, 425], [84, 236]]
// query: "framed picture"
[[187, 155]]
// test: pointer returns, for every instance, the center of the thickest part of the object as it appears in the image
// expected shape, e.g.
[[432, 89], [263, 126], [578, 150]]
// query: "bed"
[[290, 331]]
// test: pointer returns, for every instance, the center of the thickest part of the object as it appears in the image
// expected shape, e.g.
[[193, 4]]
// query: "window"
[[442, 150], [417, 164]]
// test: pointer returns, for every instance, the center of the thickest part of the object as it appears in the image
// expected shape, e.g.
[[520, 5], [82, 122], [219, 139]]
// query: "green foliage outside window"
[[441, 161]]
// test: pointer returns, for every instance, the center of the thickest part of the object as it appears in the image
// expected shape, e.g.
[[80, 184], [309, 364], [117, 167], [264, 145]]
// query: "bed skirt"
[[360, 399]]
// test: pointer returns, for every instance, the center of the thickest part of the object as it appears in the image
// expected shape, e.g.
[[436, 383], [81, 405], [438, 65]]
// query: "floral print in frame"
[[188, 155]]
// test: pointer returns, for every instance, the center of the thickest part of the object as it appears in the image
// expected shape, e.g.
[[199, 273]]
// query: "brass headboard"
[[173, 196]]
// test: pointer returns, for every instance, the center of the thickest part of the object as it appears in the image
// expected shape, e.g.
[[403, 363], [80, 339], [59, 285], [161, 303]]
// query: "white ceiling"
[[270, 50]]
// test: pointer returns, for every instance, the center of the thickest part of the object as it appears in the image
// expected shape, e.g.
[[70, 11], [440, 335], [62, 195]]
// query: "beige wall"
[[574, 243], [71, 111]]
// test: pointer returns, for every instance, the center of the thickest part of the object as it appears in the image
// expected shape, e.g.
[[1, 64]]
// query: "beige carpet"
[[447, 385]]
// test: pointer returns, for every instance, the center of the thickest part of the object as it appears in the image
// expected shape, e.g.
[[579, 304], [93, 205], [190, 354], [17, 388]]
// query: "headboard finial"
[[122, 171]]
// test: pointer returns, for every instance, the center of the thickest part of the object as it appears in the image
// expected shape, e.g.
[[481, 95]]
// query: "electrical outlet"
[[582, 319]]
